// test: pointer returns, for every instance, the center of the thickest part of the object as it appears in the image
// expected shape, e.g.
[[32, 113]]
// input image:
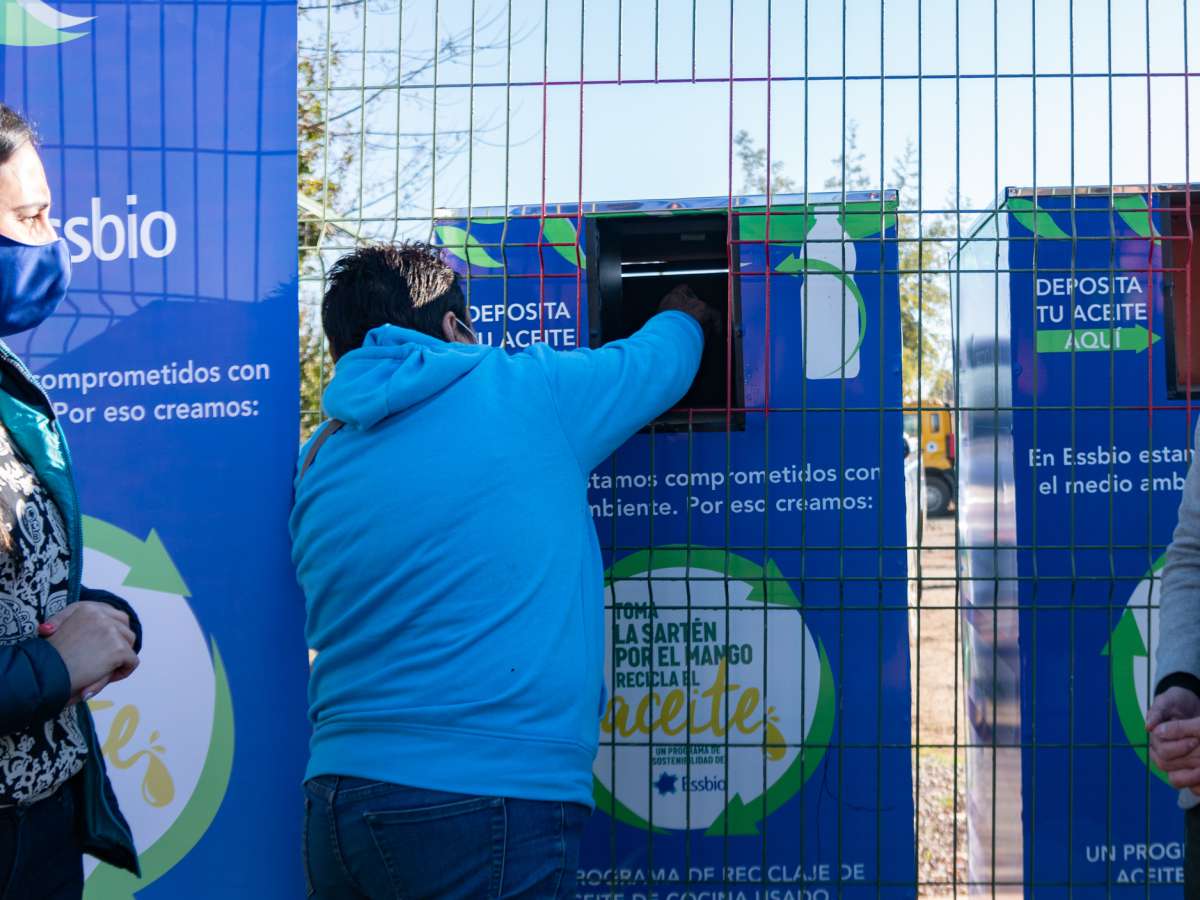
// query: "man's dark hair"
[[15, 131], [406, 284]]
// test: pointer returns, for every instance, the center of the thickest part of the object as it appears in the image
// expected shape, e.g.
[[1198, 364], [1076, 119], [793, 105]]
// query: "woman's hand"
[[96, 645]]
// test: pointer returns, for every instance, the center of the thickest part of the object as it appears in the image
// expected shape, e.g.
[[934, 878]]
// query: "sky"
[[992, 94]]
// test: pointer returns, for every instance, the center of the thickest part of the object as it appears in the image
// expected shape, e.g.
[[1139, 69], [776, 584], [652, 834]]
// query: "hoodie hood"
[[395, 369]]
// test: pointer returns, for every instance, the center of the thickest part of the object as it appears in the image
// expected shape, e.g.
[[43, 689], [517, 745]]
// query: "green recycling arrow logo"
[[825, 254], [711, 705], [150, 566], [167, 734], [795, 265], [1130, 666]]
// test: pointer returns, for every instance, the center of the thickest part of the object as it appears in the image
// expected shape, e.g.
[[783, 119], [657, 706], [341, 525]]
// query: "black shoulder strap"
[[332, 427]]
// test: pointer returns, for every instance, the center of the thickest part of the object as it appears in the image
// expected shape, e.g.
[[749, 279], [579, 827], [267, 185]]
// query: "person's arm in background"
[[1177, 693], [605, 395]]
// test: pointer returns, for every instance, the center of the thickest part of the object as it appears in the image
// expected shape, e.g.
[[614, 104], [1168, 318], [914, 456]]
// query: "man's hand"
[[1173, 703], [1173, 721], [96, 644], [683, 299], [1174, 749]]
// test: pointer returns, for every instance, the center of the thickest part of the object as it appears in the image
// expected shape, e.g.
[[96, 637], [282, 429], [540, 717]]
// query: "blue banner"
[[169, 141]]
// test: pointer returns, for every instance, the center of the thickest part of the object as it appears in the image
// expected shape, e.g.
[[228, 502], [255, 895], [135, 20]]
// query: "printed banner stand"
[[169, 140]]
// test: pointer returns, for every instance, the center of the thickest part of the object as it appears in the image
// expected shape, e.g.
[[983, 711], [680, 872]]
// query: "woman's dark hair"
[[406, 284], [15, 132]]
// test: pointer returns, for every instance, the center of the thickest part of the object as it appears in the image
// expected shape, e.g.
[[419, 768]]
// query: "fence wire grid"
[[882, 591]]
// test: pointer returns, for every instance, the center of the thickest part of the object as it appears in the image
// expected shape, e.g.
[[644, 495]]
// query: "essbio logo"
[[722, 701], [108, 236], [673, 783], [32, 23]]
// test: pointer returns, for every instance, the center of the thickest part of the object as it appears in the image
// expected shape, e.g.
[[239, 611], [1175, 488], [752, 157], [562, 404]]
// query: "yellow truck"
[[930, 426]]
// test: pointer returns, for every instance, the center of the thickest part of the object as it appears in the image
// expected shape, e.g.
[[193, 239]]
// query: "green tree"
[[754, 168], [925, 244], [325, 154], [318, 181], [850, 166], [332, 173]]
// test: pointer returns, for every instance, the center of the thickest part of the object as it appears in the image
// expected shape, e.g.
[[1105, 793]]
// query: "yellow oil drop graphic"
[[776, 747], [158, 789]]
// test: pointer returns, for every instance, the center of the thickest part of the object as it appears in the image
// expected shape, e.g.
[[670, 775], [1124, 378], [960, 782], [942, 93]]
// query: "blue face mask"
[[33, 281]]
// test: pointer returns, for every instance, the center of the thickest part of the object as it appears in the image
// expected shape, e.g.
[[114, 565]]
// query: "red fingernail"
[[47, 628]]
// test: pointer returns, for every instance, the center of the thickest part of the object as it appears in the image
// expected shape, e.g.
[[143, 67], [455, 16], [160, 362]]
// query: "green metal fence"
[[1024, 219]]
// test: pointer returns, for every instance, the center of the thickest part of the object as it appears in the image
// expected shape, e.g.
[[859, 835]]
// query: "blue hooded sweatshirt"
[[450, 565]]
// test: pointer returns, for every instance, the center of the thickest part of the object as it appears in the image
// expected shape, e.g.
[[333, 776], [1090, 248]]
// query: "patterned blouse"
[[34, 578]]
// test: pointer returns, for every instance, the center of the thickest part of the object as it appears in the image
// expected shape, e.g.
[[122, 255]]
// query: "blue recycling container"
[[1077, 360], [756, 736]]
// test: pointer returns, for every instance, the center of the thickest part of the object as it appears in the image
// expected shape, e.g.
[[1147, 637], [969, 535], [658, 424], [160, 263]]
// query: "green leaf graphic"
[[466, 247], [1135, 213], [789, 225], [19, 29], [561, 233], [1034, 218], [868, 218]]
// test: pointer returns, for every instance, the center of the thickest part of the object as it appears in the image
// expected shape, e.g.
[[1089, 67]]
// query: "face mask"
[[33, 281], [472, 337]]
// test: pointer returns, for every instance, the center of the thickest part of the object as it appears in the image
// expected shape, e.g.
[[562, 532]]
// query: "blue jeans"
[[370, 839]]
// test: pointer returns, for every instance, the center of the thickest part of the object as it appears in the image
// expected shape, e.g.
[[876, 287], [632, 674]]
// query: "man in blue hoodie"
[[454, 583]]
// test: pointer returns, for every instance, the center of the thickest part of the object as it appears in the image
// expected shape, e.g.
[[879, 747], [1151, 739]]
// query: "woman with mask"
[[60, 643]]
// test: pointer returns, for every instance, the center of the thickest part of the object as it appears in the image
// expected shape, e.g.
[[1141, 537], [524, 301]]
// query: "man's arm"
[[605, 395]]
